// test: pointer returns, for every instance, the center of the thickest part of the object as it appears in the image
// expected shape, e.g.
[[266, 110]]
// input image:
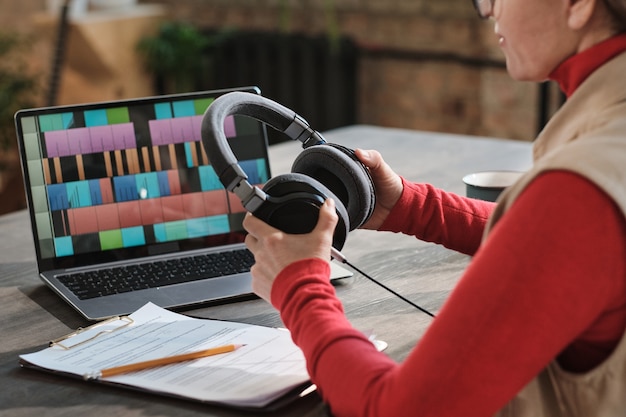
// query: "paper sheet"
[[268, 366]]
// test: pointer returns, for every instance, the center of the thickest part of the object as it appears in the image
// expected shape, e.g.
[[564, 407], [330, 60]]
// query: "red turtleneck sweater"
[[545, 285]]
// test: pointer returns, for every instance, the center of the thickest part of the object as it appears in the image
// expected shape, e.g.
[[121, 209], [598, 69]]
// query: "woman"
[[547, 284]]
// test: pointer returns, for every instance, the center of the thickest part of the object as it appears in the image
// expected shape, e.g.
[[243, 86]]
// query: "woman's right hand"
[[387, 184]]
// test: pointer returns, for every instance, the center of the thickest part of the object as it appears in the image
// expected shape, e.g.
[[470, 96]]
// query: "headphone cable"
[[341, 258]]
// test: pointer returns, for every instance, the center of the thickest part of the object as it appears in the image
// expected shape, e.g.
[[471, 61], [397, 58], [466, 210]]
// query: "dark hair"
[[617, 10]]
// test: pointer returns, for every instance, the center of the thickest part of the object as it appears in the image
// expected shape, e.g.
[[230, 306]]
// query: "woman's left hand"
[[274, 250]]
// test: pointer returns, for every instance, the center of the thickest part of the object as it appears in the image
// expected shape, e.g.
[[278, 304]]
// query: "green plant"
[[17, 86], [17, 91], [175, 54]]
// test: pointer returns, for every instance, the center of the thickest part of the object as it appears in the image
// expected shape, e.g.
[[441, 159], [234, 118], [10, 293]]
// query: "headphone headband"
[[258, 107]]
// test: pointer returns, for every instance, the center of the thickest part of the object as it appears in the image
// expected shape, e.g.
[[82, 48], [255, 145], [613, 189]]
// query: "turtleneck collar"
[[575, 69]]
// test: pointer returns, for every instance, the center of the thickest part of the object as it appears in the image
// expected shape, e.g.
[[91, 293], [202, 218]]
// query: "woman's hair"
[[617, 10]]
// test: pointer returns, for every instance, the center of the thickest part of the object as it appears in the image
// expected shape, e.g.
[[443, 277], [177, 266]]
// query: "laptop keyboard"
[[127, 278]]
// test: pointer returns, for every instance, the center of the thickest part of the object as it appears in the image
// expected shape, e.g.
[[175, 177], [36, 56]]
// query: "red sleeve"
[[549, 274], [433, 215]]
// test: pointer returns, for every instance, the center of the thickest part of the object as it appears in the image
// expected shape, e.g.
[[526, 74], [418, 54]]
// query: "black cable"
[[341, 258]]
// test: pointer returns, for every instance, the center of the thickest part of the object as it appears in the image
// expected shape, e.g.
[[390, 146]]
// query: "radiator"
[[313, 76]]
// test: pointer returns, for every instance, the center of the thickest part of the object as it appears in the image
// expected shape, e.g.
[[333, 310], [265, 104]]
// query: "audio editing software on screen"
[[133, 175]]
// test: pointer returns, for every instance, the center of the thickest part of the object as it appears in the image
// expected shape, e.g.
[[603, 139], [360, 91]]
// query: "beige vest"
[[586, 136]]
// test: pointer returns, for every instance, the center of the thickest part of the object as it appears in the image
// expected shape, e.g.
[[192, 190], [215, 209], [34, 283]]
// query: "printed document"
[[266, 368]]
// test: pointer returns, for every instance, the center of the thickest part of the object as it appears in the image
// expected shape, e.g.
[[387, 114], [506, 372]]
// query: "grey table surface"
[[31, 314]]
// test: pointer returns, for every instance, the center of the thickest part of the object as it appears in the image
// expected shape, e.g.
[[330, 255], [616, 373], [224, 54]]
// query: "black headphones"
[[291, 202]]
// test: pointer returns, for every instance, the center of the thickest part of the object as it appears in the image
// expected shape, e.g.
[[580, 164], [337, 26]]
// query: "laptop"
[[126, 209]]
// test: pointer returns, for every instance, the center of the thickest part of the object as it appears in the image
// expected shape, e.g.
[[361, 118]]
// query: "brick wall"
[[430, 65]]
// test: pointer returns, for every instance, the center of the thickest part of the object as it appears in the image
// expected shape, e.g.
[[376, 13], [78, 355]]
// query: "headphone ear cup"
[[293, 206], [338, 168]]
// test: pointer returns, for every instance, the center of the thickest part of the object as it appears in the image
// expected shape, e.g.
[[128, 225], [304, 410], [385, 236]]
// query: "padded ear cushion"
[[293, 206], [338, 168]]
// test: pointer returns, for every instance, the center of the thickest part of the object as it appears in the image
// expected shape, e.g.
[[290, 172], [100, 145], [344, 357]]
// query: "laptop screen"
[[126, 179]]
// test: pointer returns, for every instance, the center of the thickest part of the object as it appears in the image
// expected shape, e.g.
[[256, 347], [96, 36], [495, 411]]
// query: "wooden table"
[[31, 314]]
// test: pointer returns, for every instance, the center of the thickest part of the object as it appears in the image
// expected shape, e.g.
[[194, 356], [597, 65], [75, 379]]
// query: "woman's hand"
[[387, 183], [274, 250]]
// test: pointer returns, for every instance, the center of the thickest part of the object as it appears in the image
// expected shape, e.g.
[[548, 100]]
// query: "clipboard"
[[262, 386], [63, 343]]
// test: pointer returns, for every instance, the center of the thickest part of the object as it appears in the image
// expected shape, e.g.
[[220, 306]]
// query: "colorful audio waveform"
[[118, 177]]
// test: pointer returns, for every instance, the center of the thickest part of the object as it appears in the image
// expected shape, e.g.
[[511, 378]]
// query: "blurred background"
[[414, 64]]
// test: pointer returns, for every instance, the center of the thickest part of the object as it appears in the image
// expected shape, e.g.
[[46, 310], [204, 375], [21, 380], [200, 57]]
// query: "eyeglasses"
[[484, 7]]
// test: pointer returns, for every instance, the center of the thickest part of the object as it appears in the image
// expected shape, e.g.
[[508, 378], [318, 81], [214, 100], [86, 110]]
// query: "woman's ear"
[[580, 13]]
